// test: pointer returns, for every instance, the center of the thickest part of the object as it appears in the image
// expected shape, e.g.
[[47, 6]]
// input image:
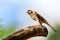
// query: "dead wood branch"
[[26, 33]]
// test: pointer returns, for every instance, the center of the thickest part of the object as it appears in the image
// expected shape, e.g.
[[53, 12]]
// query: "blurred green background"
[[55, 35], [4, 32]]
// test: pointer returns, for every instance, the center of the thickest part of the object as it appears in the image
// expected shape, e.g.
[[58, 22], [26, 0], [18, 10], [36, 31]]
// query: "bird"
[[37, 17]]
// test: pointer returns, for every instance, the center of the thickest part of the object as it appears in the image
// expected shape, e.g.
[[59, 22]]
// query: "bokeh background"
[[13, 16]]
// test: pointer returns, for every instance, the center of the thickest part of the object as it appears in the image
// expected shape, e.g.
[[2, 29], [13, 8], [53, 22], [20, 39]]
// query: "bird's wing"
[[41, 19]]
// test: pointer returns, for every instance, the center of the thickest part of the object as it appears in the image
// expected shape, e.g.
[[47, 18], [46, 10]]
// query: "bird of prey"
[[37, 17]]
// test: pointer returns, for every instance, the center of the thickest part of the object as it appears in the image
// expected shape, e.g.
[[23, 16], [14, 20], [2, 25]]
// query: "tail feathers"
[[51, 27]]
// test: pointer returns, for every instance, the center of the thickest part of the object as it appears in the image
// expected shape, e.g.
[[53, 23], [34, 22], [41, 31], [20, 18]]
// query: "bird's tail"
[[51, 27]]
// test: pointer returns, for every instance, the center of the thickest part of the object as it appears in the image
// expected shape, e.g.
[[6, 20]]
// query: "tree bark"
[[28, 32]]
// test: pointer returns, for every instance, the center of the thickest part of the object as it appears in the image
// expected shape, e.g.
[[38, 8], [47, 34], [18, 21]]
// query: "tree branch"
[[26, 33]]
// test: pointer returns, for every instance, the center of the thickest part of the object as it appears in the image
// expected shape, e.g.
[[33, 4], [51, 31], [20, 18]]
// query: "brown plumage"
[[37, 17]]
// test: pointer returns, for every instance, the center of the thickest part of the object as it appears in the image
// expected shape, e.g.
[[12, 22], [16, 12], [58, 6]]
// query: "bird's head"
[[30, 12]]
